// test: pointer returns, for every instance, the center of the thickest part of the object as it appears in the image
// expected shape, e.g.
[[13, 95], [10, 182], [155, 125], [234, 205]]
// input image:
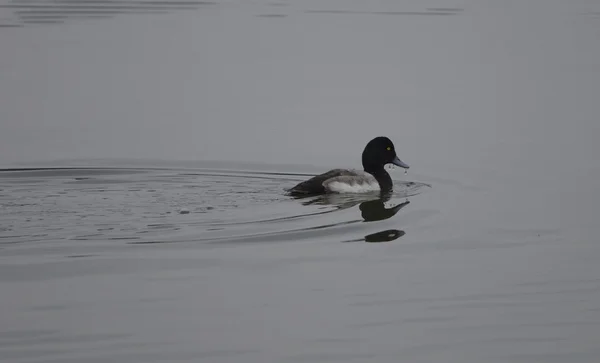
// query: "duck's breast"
[[357, 182]]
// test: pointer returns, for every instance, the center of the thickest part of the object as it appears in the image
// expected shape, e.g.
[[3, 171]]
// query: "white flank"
[[360, 182], [340, 187]]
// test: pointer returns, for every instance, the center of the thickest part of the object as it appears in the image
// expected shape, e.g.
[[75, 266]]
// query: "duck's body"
[[338, 181], [378, 152]]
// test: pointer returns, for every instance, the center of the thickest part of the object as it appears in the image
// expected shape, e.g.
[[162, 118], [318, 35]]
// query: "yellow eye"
[[389, 148]]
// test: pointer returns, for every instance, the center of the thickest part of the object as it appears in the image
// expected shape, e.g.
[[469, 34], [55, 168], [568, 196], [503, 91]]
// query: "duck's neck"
[[383, 178]]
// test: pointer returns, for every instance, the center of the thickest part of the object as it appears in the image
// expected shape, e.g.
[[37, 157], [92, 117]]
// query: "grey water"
[[146, 146]]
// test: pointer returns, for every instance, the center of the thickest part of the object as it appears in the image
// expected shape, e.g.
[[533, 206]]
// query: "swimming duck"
[[378, 152]]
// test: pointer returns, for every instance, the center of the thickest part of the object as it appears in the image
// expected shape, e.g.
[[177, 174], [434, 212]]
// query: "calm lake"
[[146, 146]]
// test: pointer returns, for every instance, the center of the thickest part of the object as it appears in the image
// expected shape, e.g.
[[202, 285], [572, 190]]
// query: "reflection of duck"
[[379, 152], [339, 201], [375, 210], [372, 208]]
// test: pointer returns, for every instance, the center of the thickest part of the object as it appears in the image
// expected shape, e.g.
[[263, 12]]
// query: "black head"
[[379, 152]]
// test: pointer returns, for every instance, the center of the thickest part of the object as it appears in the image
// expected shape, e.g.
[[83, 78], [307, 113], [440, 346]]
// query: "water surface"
[[146, 148]]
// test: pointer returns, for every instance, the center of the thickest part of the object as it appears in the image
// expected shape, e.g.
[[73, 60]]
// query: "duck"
[[379, 152]]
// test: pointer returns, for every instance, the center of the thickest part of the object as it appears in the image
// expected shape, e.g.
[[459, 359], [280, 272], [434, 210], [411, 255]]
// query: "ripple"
[[59, 11], [428, 12], [136, 206]]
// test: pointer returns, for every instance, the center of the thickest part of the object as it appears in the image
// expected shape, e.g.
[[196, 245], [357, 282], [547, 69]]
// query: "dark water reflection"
[[375, 210], [59, 11], [384, 236]]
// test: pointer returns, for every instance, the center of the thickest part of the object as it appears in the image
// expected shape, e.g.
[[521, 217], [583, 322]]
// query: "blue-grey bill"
[[400, 163]]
